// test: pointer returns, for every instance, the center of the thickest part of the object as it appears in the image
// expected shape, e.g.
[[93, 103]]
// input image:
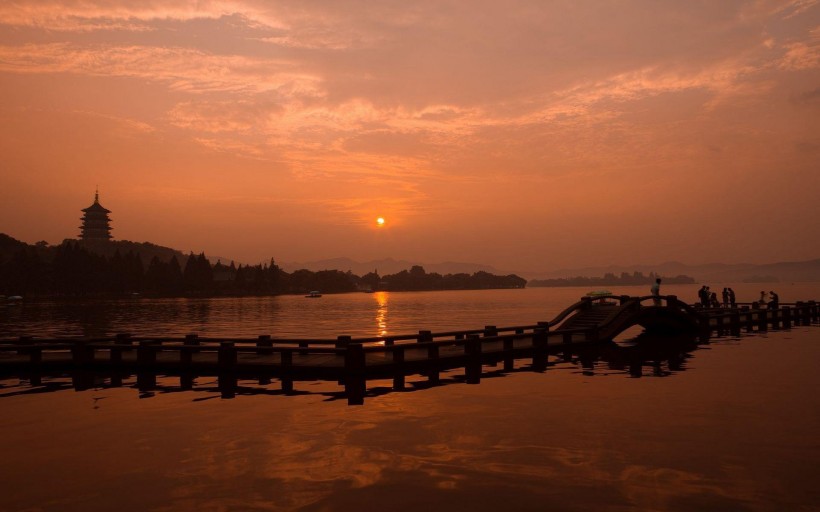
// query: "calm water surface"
[[357, 314], [732, 427]]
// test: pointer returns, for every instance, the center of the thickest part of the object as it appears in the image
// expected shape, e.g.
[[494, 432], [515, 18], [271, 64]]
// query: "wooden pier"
[[352, 362]]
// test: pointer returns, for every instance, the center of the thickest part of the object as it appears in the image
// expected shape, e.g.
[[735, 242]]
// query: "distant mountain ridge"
[[788, 271], [388, 266]]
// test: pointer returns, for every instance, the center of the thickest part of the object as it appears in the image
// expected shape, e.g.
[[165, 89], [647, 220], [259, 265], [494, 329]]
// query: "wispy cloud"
[[802, 55], [182, 69], [85, 15]]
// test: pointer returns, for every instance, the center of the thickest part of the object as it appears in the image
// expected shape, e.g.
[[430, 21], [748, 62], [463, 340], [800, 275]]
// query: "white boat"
[[313, 295]]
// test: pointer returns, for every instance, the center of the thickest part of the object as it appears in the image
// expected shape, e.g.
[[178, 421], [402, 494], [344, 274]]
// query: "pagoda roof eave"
[[96, 207]]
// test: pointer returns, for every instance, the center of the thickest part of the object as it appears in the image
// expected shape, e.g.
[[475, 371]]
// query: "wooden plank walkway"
[[352, 362]]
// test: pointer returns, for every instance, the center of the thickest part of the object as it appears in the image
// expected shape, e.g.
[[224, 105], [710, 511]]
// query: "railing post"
[[341, 343], [355, 378], [787, 317], [814, 311], [432, 364], [776, 318], [35, 359], [24, 340], [762, 320], [226, 362], [186, 353], [798, 313], [425, 336], [286, 370], [472, 351], [121, 341], [735, 322], [146, 354], [35, 355], [509, 354], [81, 354], [705, 328], [749, 320], [226, 356], [186, 358], [398, 367], [262, 343], [489, 332], [540, 353], [146, 359]]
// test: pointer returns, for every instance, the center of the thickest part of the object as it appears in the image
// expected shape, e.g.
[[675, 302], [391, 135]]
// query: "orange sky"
[[527, 135]]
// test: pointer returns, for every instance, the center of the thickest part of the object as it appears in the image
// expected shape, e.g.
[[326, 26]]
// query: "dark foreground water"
[[732, 425]]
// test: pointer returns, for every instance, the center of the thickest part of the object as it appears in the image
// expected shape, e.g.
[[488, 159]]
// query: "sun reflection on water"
[[381, 313]]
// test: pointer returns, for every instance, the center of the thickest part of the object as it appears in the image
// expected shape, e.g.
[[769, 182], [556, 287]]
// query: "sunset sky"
[[527, 135]]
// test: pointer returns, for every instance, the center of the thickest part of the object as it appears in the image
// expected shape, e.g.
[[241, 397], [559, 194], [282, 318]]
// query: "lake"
[[731, 425]]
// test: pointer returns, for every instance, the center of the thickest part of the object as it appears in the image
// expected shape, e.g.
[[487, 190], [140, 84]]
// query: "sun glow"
[[380, 221]]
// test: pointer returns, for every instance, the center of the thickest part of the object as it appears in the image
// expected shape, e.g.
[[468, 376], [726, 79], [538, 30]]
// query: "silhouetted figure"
[[703, 296], [725, 297], [713, 300], [656, 291], [774, 303], [762, 301], [732, 298]]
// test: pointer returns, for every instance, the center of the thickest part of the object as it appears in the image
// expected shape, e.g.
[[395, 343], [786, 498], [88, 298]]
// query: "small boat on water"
[[313, 295]]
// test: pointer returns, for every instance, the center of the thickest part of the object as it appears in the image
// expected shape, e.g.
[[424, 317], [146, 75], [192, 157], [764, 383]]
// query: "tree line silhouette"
[[70, 269]]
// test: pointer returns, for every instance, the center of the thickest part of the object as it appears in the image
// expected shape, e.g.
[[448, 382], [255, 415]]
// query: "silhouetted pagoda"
[[96, 223]]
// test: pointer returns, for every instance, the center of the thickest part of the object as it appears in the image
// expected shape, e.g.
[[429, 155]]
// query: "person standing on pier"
[[762, 301], [703, 295], [656, 291], [725, 297], [774, 303], [732, 298]]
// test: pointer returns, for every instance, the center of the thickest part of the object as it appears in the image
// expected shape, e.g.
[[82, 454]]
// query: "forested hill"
[[147, 251], [82, 268]]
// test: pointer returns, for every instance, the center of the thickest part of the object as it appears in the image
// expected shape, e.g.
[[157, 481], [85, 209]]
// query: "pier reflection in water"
[[735, 431]]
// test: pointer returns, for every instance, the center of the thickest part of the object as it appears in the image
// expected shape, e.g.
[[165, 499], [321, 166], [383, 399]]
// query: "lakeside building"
[[96, 222]]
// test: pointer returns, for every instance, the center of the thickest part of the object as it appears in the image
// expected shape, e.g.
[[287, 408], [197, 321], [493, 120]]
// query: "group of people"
[[773, 302], [709, 299]]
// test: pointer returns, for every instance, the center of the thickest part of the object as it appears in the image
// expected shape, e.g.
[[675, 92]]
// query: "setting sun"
[[380, 221]]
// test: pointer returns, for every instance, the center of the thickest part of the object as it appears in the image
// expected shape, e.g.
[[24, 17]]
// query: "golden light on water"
[[381, 313]]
